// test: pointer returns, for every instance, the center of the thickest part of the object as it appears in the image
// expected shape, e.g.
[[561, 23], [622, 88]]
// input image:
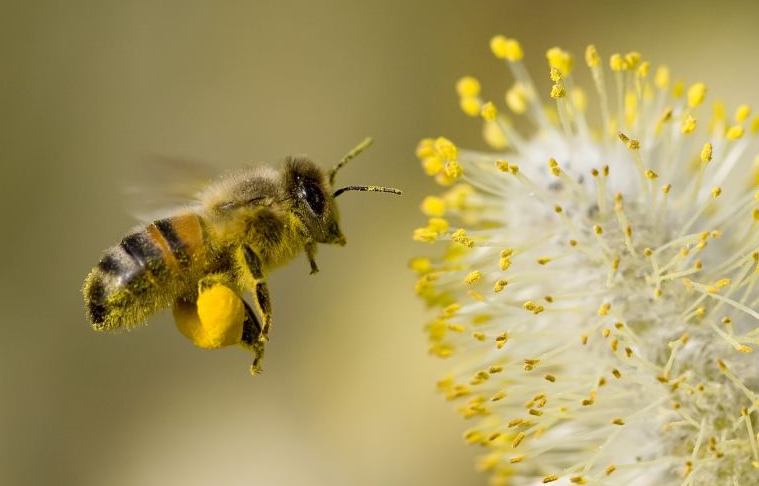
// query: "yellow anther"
[[643, 70], [493, 134], [450, 310], [530, 364], [755, 125], [543, 260], [516, 459], [719, 112], [554, 167], [557, 91], [610, 469], [460, 236], [468, 86], [502, 165], [604, 309], [551, 478], [533, 307], [472, 277], [559, 59], [433, 206], [678, 90], [516, 99], [591, 56], [631, 106], [696, 94], [498, 396], [446, 148], [616, 373], [651, 174], [432, 165], [425, 234], [505, 48], [632, 59], [453, 169], [473, 436], [501, 340], [688, 125], [439, 225], [425, 148], [499, 285], [716, 191], [598, 230], [517, 440], [661, 78], [555, 75], [470, 105], [616, 62], [722, 283], [579, 99], [666, 188], [706, 153], [578, 480], [479, 337], [735, 132], [742, 113], [456, 327], [420, 264], [618, 421], [495, 369], [489, 111]]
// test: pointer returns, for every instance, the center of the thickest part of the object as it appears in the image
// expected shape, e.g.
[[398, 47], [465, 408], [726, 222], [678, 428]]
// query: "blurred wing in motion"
[[166, 185]]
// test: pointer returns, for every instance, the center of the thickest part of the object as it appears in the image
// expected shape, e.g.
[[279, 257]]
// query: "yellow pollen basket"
[[215, 321]]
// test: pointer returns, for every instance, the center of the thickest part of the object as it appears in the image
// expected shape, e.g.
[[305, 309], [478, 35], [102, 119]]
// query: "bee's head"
[[313, 195], [313, 203]]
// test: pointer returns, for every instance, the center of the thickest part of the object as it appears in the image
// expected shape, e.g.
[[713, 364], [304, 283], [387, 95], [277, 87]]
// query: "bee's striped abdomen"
[[145, 272]]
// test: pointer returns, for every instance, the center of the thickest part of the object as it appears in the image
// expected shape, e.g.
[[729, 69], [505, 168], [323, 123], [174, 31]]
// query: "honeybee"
[[201, 261]]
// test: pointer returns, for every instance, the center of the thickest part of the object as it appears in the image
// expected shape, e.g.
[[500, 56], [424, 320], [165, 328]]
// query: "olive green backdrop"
[[88, 90]]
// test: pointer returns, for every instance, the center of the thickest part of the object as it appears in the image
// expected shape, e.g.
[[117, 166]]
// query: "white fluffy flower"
[[596, 297]]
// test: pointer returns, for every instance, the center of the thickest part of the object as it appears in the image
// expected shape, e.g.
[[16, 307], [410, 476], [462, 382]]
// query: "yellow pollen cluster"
[[598, 279]]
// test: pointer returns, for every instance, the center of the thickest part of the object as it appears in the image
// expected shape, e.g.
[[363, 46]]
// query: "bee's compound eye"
[[314, 197]]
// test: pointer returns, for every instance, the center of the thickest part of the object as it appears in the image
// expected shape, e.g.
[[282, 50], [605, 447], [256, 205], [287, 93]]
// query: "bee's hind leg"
[[214, 318], [251, 329], [253, 278]]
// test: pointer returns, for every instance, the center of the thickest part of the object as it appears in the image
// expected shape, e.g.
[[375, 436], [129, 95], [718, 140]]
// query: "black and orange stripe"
[[145, 272]]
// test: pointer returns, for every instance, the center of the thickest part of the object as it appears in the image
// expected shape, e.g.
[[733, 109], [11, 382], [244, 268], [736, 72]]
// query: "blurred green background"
[[88, 90]]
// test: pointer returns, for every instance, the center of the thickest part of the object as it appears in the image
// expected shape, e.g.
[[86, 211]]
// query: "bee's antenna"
[[365, 143], [390, 190]]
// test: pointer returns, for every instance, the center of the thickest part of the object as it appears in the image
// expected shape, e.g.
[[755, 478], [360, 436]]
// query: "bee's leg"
[[215, 318], [311, 254], [253, 278], [251, 329]]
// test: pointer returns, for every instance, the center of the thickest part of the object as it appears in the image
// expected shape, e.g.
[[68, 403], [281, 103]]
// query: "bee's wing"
[[166, 184]]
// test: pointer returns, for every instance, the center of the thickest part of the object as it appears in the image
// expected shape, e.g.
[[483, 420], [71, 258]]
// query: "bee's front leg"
[[311, 254], [252, 277]]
